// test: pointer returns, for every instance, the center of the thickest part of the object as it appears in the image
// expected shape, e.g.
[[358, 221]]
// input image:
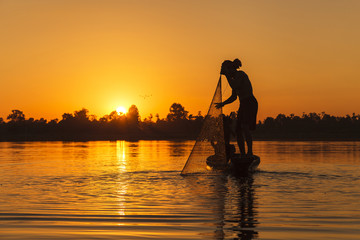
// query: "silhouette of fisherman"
[[242, 89]]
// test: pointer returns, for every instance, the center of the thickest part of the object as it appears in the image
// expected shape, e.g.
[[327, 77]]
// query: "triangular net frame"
[[210, 142]]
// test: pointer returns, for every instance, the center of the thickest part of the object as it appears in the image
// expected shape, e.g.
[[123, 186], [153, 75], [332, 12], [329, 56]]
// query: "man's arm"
[[231, 99]]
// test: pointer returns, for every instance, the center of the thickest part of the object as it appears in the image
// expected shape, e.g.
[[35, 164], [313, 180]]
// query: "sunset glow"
[[301, 56], [121, 110]]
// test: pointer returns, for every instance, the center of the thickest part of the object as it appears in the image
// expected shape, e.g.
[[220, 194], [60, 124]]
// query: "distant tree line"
[[82, 126], [178, 124], [311, 126]]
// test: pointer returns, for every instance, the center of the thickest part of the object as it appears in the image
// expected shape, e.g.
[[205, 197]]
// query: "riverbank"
[[85, 138]]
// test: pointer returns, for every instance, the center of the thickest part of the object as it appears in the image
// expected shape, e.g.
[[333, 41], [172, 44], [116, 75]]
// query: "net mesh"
[[209, 149]]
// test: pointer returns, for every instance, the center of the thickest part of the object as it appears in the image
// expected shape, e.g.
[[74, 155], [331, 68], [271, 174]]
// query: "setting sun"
[[121, 110]]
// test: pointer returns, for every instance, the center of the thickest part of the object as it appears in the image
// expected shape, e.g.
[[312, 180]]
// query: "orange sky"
[[59, 56]]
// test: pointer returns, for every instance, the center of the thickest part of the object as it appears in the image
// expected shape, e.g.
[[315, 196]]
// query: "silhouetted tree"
[[16, 116], [133, 116], [81, 115], [113, 116], [148, 118], [67, 117], [54, 121], [157, 117], [269, 121], [104, 119], [177, 112], [92, 118]]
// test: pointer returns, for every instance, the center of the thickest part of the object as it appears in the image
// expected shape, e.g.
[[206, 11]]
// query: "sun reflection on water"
[[121, 155], [122, 161]]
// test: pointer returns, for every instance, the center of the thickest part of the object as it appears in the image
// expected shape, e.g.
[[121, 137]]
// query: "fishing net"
[[209, 151]]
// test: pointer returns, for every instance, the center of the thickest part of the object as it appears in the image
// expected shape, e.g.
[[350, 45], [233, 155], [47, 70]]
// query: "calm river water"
[[133, 190]]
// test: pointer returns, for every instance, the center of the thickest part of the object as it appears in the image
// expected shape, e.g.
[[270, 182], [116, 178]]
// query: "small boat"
[[243, 165], [237, 165]]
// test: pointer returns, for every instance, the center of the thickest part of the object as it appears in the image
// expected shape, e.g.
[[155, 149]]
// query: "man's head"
[[229, 67]]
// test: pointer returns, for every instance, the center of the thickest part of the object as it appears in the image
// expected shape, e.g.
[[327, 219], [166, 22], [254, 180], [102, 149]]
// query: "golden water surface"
[[133, 190]]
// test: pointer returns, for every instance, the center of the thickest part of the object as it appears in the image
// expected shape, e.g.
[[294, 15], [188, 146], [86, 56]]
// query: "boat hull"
[[236, 165], [247, 164]]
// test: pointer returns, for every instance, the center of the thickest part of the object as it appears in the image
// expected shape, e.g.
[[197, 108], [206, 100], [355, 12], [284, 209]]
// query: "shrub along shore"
[[178, 125]]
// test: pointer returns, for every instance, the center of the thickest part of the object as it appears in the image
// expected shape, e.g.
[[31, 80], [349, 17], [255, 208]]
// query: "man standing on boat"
[[246, 118]]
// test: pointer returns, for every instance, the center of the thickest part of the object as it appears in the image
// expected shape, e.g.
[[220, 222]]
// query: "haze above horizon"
[[61, 56]]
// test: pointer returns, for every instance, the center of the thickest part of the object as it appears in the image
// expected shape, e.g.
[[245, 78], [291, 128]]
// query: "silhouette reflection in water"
[[239, 218], [231, 199]]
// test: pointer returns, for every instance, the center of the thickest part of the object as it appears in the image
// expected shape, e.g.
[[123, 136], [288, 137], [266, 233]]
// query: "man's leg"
[[248, 138], [240, 139]]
